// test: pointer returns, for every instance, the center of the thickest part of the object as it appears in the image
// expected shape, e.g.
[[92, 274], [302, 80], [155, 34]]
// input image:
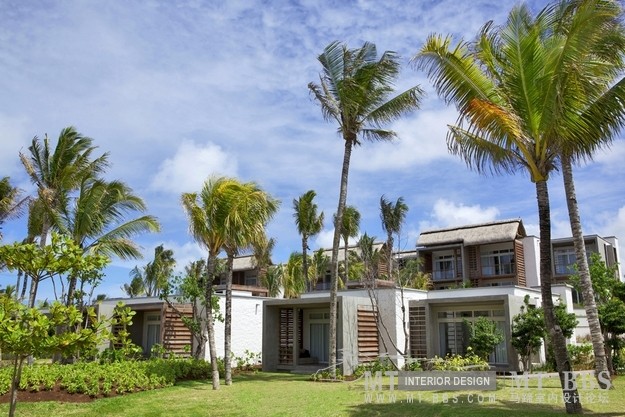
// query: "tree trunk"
[[556, 337], [601, 366], [18, 364], [335, 252], [389, 255], [210, 320], [228, 321], [305, 261], [346, 260]]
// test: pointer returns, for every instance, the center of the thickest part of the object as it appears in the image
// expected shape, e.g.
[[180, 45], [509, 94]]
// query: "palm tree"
[[293, 279], [308, 222], [12, 204], [350, 227], [56, 174], [262, 250], [135, 287], [247, 211], [392, 216], [517, 108], [597, 94], [205, 220], [354, 90], [98, 223], [156, 274], [320, 262]]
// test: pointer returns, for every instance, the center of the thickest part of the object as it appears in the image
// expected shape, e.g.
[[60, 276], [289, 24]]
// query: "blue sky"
[[177, 91]]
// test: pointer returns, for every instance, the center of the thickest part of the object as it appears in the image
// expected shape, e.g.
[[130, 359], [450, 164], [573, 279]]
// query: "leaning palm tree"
[[98, 222], [56, 173], [350, 227], [308, 222], [354, 90], [513, 94], [205, 224], [598, 93], [392, 216], [12, 203], [293, 279], [247, 210]]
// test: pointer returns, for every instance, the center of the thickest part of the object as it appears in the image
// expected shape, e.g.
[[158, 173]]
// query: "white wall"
[[531, 251], [247, 325]]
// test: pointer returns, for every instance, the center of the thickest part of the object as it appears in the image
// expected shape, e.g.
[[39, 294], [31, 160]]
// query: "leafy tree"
[[518, 105], [484, 336], [528, 332], [308, 222], [392, 216], [189, 288], [410, 275], [28, 332], [354, 91]]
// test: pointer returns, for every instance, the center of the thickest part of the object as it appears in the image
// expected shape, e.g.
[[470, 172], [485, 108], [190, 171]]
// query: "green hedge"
[[96, 379]]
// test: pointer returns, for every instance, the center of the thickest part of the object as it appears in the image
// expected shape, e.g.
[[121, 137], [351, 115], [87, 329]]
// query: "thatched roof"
[[475, 234]]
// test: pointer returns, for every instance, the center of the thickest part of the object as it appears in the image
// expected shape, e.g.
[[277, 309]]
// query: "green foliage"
[[122, 347], [248, 362], [484, 336], [582, 356], [379, 364], [326, 375], [411, 276], [528, 332], [96, 379]]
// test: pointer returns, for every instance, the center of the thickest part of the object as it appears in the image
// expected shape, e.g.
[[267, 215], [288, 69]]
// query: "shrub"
[[582, 356], [379, 364], [469, 362]]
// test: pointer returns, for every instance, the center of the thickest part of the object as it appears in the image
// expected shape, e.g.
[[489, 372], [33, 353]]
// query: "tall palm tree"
[[392, 216], [12, 203], [205, 220], [247, 211], [98, 222], [355, 91], [156, 273], [308, 222], [135, 287], [293, 279], [597, 95], [262, 250], [350, 226], [56, 173], [513, 96]]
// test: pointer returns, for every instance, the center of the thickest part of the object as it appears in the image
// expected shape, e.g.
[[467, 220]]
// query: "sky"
[[179, 91]]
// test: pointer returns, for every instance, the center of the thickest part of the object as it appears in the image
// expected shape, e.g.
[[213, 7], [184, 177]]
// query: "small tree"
[[28, 332], [484, 336], [528, 332]]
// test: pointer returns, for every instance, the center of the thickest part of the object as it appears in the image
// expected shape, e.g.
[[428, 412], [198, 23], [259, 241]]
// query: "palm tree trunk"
[[335, 252], [346, 261], [228, 321], [601, 366], [556, 337], [210, 320], [305, 261]]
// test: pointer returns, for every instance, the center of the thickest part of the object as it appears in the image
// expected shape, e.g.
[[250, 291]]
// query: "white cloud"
[[446, 213], [15, 137], [192, 164]]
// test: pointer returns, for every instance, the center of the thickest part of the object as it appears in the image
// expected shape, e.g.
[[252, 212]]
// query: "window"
[[251, 281], [444, 267], [498, 262], [565, 261]]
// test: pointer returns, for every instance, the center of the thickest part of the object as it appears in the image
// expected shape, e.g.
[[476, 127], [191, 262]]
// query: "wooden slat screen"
[[368, 343], [177, 338], [286, 336], [418, 332]]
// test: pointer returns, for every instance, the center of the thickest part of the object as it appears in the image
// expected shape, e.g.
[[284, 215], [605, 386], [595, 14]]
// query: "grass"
[[279, 394]]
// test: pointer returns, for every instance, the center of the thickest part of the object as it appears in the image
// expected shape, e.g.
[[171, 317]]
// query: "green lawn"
[[279, 394]]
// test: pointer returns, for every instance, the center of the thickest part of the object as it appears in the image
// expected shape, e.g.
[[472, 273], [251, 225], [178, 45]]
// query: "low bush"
[[95, 379], [379, 364], [469, 362], [582, 356]]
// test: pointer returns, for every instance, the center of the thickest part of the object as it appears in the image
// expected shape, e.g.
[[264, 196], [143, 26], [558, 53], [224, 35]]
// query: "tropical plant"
[[293, 279], [320, 262], [354, 90], [247, 210], [308, 222], [12, 204], [135, 287], [393, 217], [261, 260], [350, 226], [98, 223], [514, 100], [595, 91], [528, 332], [56, 174], [272, 279]]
